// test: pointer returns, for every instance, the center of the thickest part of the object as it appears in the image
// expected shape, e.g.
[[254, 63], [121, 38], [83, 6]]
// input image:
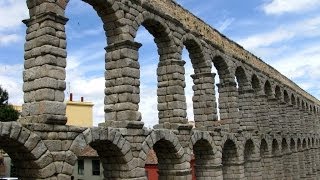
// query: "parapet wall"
[[197, 26], [268, 126]]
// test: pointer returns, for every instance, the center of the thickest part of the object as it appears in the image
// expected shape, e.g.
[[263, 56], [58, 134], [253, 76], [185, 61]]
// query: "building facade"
[[268, 126]]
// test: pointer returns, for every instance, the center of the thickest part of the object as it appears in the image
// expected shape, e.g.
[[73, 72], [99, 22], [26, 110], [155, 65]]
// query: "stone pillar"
[[228, 106], [247, 109], [302, 167], [262, 113], [278, 166], [268, 168], [208, 172], [253, 168], [283, 121], [274, 114], [318, 159], [302, 120], [287, 165], [295, 114], [233, 171], [122, 93], [171, 98], [45, 62], [204, 102], [307, 162], [313, 161], [306, 121], [175, 174], [295, 164]]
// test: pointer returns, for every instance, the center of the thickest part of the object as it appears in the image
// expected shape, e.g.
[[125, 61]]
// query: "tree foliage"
[[7, 112], [3, 96]]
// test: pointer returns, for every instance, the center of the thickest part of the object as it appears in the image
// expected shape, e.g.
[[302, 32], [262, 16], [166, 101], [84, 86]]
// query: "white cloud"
[[301, 63], [8, 39], [11, 14], [278, 7], [266, 39], [84, 33], [11, 80], [306, 28]]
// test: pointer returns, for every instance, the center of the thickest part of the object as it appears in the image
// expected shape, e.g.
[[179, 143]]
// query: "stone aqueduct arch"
[[269, 127]]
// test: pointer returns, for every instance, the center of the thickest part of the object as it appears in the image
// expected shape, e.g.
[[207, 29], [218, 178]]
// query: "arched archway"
[[267, 89], [170, 72], [228, 107], [245, 100], [255, 83], [231, 168], [266, 161], [294, 158], [173, 162], [203, 99], [286, 159], [277, 159], [251, 161], [204, 160], [113, 149], [27, 152]]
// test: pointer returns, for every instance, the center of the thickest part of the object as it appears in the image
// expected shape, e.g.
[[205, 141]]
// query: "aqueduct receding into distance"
[[269, 127]]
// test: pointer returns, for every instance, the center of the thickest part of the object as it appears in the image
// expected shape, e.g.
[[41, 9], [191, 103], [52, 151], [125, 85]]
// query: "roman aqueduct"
[[269, 127]]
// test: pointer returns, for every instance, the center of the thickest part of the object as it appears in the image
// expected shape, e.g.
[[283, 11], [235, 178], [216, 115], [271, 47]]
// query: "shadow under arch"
[[172, 160], [241, 78], [231, 161], [277, 159], [27, 151], [286, 159], [204, 155], [267, 89], [250, 160], [113, 149], [266, 160], [255, 83]]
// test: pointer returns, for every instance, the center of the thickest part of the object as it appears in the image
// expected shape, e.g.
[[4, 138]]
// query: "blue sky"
[[284, 33]]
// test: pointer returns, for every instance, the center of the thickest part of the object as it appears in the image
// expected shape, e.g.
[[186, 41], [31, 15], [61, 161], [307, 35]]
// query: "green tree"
[[3, 96], [7, 112]]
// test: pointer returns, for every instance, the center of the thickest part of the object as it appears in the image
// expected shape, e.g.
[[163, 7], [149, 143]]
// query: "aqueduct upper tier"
[[268, 126]]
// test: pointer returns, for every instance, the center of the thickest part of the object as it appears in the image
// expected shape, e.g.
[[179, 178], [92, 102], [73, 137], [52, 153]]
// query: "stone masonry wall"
[[268, 126]]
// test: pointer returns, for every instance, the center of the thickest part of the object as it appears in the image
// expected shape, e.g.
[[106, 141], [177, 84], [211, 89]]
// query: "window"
[[81, 167], [95, 167]]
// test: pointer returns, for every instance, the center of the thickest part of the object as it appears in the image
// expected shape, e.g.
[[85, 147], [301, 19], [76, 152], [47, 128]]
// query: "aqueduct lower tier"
[[268, 127]]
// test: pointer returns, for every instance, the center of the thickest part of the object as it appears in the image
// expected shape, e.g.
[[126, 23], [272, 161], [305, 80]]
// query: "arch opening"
[[265, 161], [20, 153], [250, 163], [223, 75], [204, 159], [148, 58], [86, 41], [278, 92], [255, 83], [267, 89], [168, 160], [230, 160]]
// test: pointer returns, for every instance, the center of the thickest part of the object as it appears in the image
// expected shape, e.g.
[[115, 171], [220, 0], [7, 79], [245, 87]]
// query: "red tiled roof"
[[152, 157], [88, 152]]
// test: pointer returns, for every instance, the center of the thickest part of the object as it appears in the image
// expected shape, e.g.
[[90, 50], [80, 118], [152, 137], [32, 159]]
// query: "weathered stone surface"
[[268, 126]]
